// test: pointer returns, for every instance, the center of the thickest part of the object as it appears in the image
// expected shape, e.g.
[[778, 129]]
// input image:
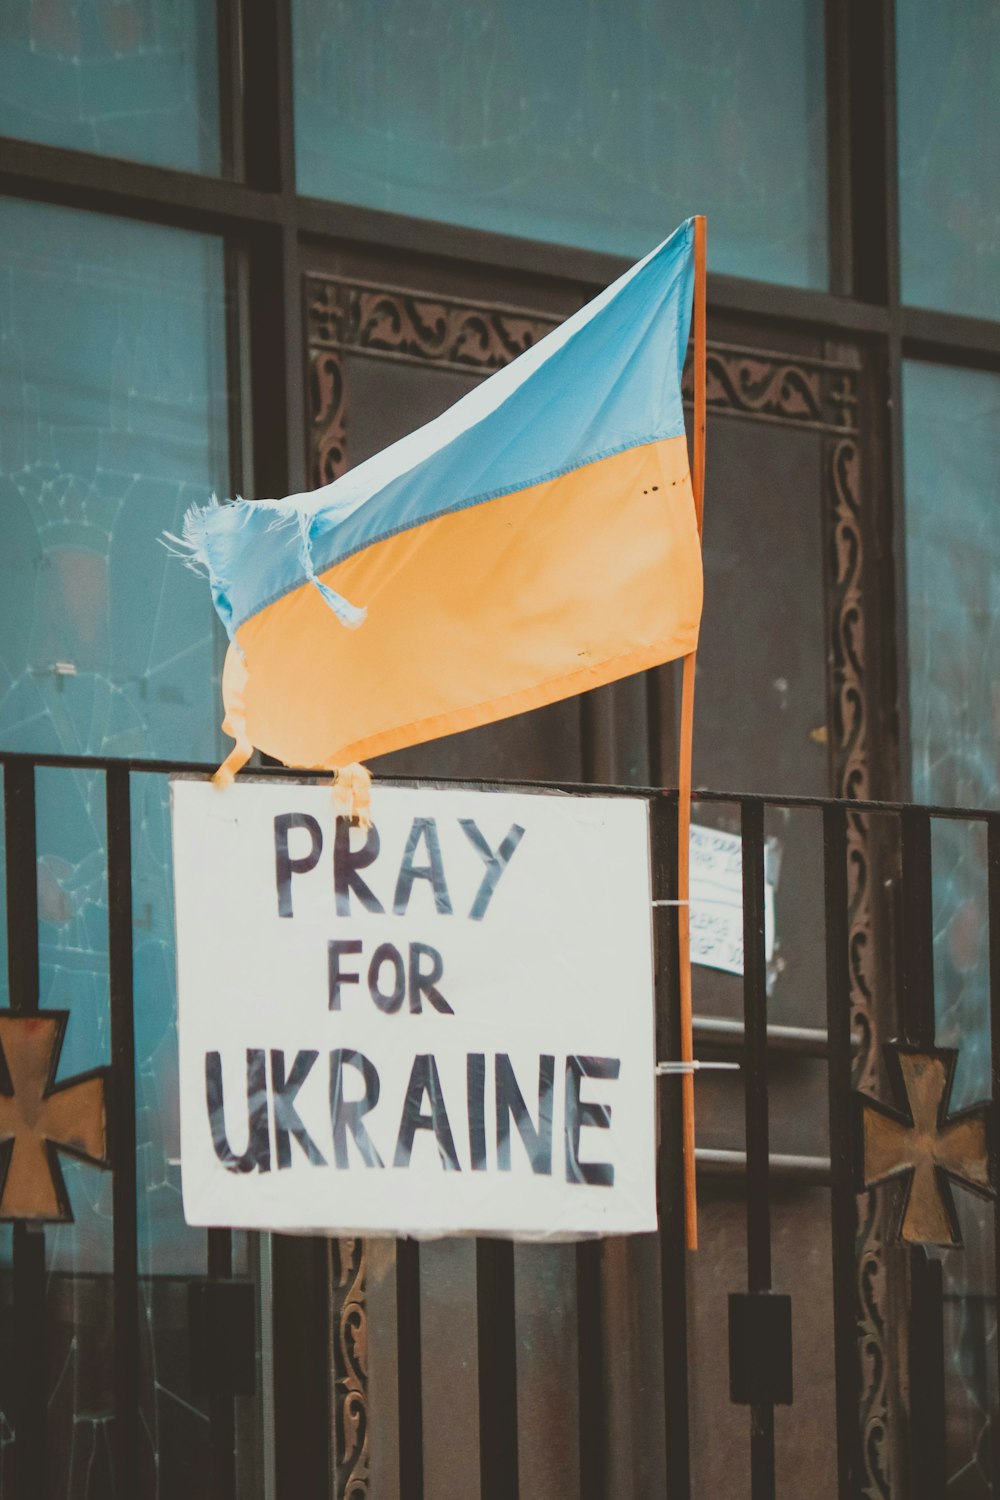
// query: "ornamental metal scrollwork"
[[849, 715], [849, 693], [349, 1394], [772, 387], [393, 321], [412, 327], [849, 560], [405, 326], [329, 455]]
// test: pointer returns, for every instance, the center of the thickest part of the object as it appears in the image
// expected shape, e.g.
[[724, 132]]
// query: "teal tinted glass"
[[597, 125], [113, 419], [952, 483], [132, 78], [948, 71], [952, 490]]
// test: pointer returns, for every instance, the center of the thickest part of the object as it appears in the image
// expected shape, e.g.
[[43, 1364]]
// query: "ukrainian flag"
[[537, 540]]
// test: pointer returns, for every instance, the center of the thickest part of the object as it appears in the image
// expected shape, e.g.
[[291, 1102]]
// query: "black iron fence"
[[889, 1120]]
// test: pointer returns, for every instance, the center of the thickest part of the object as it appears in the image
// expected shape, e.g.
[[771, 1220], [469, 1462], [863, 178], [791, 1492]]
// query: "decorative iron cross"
[[924, 1144], [39, 1118]]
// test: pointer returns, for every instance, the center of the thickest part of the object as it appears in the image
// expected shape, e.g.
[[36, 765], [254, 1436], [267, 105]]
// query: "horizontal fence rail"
[[791, 802], [903, 1012]]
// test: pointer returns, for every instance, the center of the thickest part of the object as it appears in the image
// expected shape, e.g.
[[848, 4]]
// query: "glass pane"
[[952, 478], [948, 54], [132, 78], [113, 419], [593, 125], [73, 958], [952, 473]]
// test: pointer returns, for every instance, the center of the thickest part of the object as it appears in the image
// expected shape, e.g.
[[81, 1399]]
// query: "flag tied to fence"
[[536, 540]]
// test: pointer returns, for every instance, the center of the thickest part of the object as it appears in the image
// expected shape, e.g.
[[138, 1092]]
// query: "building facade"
[[246, 245]]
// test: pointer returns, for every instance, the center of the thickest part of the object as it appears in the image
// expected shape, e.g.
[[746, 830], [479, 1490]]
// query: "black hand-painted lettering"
[[346, 864], [258, 1152], [285, 866], [495, 863], [287, 1120], [475, 1085], [345, 1114], [336, 949], [510, 1103], [432, 871], [424, 1079], [578, 1114], [387, 1001], [425, 984]]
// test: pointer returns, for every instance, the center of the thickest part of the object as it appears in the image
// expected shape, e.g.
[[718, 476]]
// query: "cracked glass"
[[129, 78], [594, 125], [114, 417], [948, 57]]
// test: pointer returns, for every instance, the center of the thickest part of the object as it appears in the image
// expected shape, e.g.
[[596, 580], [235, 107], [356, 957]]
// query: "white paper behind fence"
[[442, 1026]]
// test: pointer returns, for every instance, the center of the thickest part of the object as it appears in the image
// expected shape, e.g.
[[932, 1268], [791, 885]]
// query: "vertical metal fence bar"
[[408, 1364], [843, 1201], [301, 1342], [122, 1120], [301, 1335], [22, 885], [757, 1143], [497, 1370], [670, 1160], [593, 1418], [28, 1355], [590, 1371], [928, 1444], [221, 1410], [926, 1321], [220, 1253], [993, 868], [916, 959]]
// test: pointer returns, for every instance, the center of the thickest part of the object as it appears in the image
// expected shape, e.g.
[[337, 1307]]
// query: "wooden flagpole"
[[686, 746]]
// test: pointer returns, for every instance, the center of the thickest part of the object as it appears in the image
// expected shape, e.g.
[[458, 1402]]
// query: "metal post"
[[670, 1160], [993, 868], [125, 1242], [755, 1084], [408, 1364], [843, 1200], [497, 1370], [926, 1319], [28, 1354]]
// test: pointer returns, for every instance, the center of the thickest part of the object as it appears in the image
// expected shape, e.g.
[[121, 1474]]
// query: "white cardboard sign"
[[442, 1026]]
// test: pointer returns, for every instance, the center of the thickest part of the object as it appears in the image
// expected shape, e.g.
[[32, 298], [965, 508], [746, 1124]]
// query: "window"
[[114, 416], [949, 144], [132, 78], [952, 479], [595, 125]]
